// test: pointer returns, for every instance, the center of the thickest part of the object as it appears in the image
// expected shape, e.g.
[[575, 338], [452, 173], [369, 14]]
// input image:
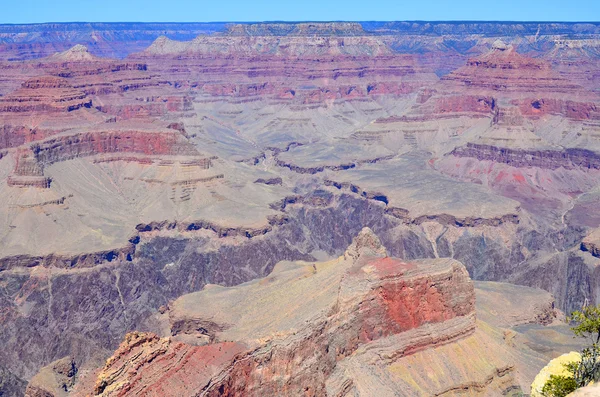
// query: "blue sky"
[[34, 11]]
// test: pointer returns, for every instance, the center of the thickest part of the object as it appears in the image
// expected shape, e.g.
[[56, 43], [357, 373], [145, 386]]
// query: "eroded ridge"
[[242, 339]]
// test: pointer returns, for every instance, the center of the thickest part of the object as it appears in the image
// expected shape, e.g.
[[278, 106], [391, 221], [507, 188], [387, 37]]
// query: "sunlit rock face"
[[357, 299], [145, 165]]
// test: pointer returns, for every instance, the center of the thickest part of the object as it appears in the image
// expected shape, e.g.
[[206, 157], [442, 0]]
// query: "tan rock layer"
[[379, 298]]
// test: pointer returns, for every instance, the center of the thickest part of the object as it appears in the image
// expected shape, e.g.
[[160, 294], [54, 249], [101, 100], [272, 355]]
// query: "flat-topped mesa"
[[249, 41], [317, 313], [297, 29], [45, 94]]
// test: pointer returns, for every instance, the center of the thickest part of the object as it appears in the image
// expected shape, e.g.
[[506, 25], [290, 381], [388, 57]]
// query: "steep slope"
[[363, 323], [128, 183], [279, 343]]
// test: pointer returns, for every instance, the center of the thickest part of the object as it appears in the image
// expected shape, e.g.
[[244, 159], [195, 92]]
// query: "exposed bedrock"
[[54, 380], [16, 135], [464, 103], [91, 309], [68, 147], [568, 108], [148, 106], [70, 69], [404, 215], [570, 275], [10, 384], [591, 244], [45, 94], [552, 159], [358, 298], [13, 136], [220, 231], [340, 167], [66, 261]]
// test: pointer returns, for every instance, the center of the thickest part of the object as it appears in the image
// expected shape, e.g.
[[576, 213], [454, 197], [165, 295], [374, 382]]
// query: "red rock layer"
[[175, 367], [66, 147], [503, 76], [45, 94], [572, 109], [503, 69], [399, 297], [13, 136], [307, 79]]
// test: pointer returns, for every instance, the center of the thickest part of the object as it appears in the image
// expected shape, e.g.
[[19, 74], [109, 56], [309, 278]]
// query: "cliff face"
[[209, 158], [352, 301], [363, 323], [45, 94], [551, 159], [87, 144]]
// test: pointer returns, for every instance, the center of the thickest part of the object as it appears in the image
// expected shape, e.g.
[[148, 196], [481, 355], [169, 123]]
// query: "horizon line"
[[302, 21]]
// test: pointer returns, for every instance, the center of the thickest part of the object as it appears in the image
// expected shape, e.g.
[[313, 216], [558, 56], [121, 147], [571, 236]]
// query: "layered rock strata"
[[361, 297]]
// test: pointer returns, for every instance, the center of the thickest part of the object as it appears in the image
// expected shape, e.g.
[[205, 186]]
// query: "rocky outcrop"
[[128, 251], [10, 385], [119, 295], [404, 214], [591, 243], [269, 181], [337, 167], [318, 198], [551, 159], [67, 261], [250, 354], [221, 231], [54, 380], [45, 94], [520, 305], [500, 77], [67, 147], [366, 243], [572, 109], [183, 368], [504, 69], [587, 391]]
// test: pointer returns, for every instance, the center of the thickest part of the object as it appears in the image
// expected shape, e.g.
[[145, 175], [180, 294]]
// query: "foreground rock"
[[285, 334], [363, 324]]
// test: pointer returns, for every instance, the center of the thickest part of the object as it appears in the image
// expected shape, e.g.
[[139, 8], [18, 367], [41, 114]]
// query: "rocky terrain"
[[180, 199], [365, 317]]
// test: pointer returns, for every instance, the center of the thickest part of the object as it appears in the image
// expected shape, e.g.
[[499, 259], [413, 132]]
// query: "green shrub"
[[559, 386]]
